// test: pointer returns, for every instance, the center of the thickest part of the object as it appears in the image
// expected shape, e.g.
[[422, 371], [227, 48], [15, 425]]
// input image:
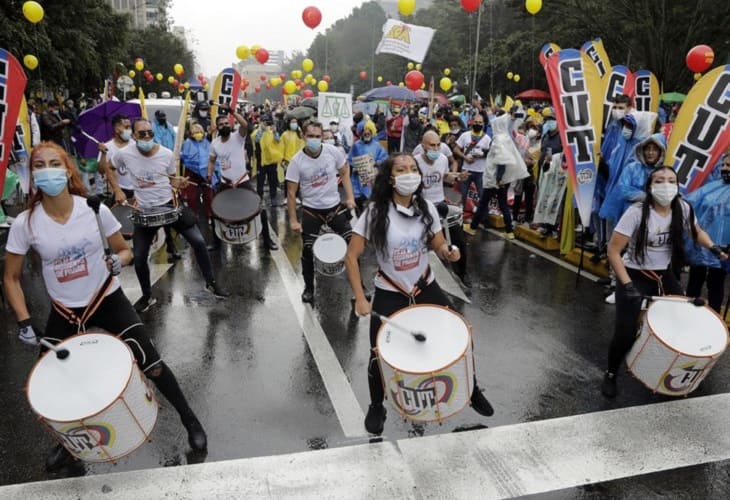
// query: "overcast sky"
[[219, 26]]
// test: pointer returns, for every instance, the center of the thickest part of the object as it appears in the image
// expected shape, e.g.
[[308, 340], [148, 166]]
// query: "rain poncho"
[[364, 158], [553, 184], [194, 156], [503, 151]]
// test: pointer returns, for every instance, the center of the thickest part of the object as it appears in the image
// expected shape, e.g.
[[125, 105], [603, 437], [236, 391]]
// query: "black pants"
[[267, 172], [264, 214], [393, 144], [386, 303], [628, 311], [715, 277], [482, 208], [338, 218], [528, 191], [457, 238]]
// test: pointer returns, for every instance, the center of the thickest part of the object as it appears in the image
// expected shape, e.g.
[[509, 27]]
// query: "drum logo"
[[82, 439], [681, 378], [234, 233], [425, 395]]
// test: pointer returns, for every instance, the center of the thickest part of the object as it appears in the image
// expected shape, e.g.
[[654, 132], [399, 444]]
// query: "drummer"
[[398, 214], [81, 282], [654, 231], [229, 150], [152, 168]]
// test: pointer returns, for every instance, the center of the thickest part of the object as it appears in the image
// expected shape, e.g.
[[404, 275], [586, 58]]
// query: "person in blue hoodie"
[[364, 158], [194, 156]]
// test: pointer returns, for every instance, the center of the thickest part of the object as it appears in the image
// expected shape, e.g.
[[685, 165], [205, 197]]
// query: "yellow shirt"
[[270, 149], [443, 127], [291, 144]]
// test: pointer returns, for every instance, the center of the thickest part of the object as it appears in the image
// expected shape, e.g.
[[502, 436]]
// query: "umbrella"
[[301, 113], [458, 98], [672, 97], [534, 95], [95, 125], [310, 102], [390, 92]]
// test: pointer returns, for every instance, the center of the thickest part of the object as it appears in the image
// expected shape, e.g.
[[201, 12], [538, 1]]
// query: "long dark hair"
[[382, 197], [677, 227]]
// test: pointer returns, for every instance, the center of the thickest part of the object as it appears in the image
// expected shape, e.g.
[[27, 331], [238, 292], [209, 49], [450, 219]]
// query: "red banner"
[[12, 86]]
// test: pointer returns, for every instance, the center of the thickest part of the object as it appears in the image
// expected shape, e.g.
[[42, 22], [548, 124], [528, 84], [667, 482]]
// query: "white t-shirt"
[[123, 178], [72, 254], [231, 157], [659, 244], [317, 177], [149, 174], [406, 256], [443, 148], [433, 177], [479, 151]]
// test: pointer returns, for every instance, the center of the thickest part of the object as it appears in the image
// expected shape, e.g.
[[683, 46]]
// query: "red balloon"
[[268, 86], [149, 78], [146, 73], [700, 58], [262, 55], [363, 75], [282, 76], [470, 5], [414, 79], [311, 17], [257, 89], [298, 82], [389, 83], [326, 78], [308, 93], [263, 78], [175, 83]]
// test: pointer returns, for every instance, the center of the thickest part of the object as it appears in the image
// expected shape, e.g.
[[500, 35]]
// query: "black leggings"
[[483, 207], [338, 218], [715, 284], [628, 311], [267, 173]]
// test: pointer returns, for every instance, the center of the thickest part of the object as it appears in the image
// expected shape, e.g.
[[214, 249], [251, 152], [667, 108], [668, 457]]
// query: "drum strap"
[[652, 275], [70, 316], [339, 209], [417, 288]]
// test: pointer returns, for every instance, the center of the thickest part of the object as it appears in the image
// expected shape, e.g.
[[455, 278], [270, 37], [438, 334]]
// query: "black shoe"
[[58, 457], [608, 387], [308, 296], [271, 245], [375, 419], [173, 256], [213, 288], [196, 435], [144, 303], [480, 403]]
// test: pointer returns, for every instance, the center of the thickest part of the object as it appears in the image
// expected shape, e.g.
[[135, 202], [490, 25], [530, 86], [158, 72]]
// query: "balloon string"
[[37, 51]]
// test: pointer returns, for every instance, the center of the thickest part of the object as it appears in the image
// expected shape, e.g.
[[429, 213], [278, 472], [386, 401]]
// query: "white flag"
[[407, 40]]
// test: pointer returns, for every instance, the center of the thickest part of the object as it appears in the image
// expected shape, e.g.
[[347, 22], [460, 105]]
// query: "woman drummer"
[[402, 226], [654, 231], [81, 281]]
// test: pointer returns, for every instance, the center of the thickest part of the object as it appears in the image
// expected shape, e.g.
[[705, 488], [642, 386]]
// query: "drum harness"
[[414, 292], [80, 321], [326, 219], [653, 275]]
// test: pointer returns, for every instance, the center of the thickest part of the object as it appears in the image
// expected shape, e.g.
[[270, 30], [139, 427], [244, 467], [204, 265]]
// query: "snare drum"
[[432, 380], [237, 216], [455, 217], [156, 216], [96, 402], [329, 254], [678, 345], [123, 213]]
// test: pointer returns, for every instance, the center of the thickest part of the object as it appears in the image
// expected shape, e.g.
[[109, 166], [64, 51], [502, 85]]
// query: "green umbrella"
[[672, 97], [301, 113], [458, 98]]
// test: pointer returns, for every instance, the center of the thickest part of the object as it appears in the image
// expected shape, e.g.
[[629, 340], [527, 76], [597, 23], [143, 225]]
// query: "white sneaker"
[[611, 299]]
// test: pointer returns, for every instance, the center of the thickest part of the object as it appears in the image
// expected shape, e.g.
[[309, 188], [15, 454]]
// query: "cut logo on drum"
[[425, 396], [682, 377], [235, 233], [83, 440]]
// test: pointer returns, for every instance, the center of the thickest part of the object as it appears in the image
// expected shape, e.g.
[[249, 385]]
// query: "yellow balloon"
[[518, 102], [290, 87], [170, 79], [30, 61], [33, 12], [697, 76], [516, 78], [255, 48], [401, 84], [243, 52], [308, 78], [323, 86], [186, 85], [380, 78], [181, 89], [178, 69], [132, 88], [206, 86], [510, 75], [313, 82], [131, 73], [307, 65], [445, 84], [139, 64], [533, 6], [159, 77], [275, 82], [409, 65], [406, 7], [423, 85], [419, 66], [447, 72]]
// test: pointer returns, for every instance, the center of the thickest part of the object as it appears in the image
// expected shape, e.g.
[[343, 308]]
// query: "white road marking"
[[444, 278], [130, 284]]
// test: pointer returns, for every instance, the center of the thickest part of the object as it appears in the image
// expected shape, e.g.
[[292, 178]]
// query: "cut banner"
[[225, 91], [12, 86], [406, 40], [575, 88]]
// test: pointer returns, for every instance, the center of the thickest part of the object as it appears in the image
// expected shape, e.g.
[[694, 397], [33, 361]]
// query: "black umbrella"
[[311, 102], [301, 113]]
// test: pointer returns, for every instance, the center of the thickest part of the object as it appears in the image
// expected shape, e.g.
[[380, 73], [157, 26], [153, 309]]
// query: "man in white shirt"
[[313, 171], [472, 147]]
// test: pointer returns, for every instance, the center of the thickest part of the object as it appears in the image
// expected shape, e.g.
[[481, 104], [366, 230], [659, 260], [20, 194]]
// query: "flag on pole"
[[141, 104], [181, 123], [12, 86], [406, 40]]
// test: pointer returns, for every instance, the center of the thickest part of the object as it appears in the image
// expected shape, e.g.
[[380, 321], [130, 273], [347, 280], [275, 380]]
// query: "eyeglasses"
[[145, 133]]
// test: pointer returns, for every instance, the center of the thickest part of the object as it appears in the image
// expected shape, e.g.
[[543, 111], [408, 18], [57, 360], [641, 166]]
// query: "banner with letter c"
[[646, 91], [701, 132], [575, 88], [546, 51], [225, 91], [597, 54], [12, 86], [619, 81]]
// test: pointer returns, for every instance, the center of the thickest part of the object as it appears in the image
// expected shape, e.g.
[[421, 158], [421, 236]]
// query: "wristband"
[[716, 250], [24, 324]]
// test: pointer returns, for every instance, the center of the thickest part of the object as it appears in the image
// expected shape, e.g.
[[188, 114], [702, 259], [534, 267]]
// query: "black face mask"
[[477, 128], [162, 121], [225, 131], [725, 176]]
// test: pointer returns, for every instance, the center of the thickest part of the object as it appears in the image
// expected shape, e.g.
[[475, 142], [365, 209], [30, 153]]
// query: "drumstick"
[[178, 177], [94, 202], [697, 301], [418, 335], [60, 353]]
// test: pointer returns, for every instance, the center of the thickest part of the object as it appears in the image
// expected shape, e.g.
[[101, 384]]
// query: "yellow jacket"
[[291, 144], [271, 152]]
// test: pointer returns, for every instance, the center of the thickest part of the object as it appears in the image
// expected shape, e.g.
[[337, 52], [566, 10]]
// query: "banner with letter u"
[[12, 86], [575, 88], [225, 91], [620, 80], [646, 91], [701, 133]]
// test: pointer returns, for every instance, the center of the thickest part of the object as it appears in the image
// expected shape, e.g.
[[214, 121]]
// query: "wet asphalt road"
[[540, 346]]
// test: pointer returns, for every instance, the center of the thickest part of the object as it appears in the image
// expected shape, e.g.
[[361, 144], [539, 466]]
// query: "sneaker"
[[608, 387], [510, 235], [213, 288], [196, 435], [144, 304], [611, 299], [58, 458], [480, 404], [468, 229], [375, 419], [308, 296]]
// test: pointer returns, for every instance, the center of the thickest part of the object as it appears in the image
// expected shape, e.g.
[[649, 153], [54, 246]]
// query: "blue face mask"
[[50, 180], [433, 155], [145, 146], [627, 133], [550, 125], [313, 145]]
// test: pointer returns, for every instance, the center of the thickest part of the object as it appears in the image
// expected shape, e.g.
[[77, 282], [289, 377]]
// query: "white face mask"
[[617, 114], [407, 184], [532, 133], [334, 128], [664, 193]]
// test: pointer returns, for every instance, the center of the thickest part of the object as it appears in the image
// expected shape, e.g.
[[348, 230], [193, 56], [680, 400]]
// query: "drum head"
[[95, 373], [236, 205], [330, 248], [686, 328], [448, 336]]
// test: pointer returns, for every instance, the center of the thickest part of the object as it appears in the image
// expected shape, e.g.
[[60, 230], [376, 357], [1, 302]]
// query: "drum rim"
[[412, 306], [126, 385], [239, 221]]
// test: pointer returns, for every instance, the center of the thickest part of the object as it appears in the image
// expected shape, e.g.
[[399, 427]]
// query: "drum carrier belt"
[[415, 291], [339, 209], [652, 275], [70, 316]]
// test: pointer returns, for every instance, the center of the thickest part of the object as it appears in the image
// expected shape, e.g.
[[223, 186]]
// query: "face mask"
[[627, 133], [203, 114], [550, 126], [329, 141], [617, 114], [433, 155], [198, 136], [725, 176], [334, 128], [50, 180], [664, 193], [407, 184], [477, 128], [162, 121], [293, 126], [532, 133], [455, 131], [145, 146], [367, 140], [313, 144], [224, 131], [125, 135]]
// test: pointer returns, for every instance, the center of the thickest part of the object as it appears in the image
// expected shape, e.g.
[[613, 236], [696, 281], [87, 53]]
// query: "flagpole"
[[476, 52]]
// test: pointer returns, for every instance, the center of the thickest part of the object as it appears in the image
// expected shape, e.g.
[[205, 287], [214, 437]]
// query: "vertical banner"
[[12, 86], [142, 106], [620, 80], [597, 54], [546, 51], [575, 88], [180, 136], [225, 91], [646, 91], [701, 133], [21, 147]]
